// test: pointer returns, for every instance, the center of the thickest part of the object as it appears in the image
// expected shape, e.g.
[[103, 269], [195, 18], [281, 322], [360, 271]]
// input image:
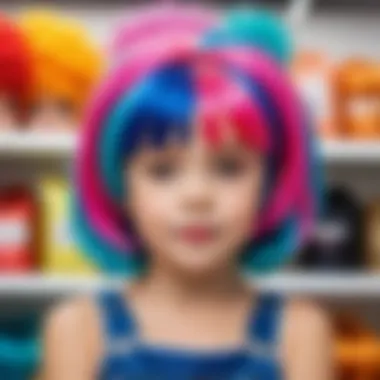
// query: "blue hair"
[[160, 107]]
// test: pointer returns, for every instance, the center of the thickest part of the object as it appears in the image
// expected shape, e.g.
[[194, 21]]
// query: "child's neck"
[[173, 309], [214, 284]]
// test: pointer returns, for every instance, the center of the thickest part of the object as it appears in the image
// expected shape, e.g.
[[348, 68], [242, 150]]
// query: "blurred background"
[[46, 75]]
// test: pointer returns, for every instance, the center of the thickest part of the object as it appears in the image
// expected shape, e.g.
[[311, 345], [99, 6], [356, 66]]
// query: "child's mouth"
[[197, 234]]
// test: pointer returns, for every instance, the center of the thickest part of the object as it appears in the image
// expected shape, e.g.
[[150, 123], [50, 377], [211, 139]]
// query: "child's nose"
[[198, 192]]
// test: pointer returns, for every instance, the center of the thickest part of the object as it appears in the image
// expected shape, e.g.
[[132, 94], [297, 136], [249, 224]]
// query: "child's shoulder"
[[72, 314], [300, 318], [301, 312], [307, 329], [72, 333]]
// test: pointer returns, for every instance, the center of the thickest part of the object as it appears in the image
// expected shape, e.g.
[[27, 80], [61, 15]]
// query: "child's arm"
[[308, 343], [71, 343]]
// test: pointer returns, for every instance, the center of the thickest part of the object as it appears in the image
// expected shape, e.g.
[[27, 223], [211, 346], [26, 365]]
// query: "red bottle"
[[17, 231]]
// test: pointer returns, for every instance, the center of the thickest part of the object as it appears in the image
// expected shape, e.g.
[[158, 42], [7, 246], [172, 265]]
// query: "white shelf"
[[351, 151], [37, 144], [326, 285], [39, 286], [63, 145], [339, 285]]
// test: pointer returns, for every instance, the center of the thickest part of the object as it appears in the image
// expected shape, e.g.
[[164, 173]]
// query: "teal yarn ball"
[[256, 28], [262, 29]]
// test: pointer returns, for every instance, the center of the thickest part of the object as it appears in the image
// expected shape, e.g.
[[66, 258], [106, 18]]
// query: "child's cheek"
[[239, 213], [238, 206], [151, 208]]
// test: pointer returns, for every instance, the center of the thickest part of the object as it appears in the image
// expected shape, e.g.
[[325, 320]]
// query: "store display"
[[357, 99], [312, 73], [66, 63], [15, 74], [49, 63], [58, 252], [17, 230], [337, 243]]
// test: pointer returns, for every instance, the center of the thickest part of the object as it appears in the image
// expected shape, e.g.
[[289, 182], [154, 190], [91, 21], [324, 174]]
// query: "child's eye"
[[229, 167], [162, 170]]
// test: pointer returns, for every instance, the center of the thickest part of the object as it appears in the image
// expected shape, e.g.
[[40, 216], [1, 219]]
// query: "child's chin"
[[197, 264]]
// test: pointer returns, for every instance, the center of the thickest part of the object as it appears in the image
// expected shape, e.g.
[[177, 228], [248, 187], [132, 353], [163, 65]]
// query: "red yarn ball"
[[15, 65]]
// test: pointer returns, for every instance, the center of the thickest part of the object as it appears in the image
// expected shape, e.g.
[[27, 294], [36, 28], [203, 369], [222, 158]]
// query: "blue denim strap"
[[265, 326], [118, 324]]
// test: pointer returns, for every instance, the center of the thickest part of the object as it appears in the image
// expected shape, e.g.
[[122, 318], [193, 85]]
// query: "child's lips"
[[197, 234]]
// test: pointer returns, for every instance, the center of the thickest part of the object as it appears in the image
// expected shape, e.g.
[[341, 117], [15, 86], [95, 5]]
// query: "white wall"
[[342, 35]]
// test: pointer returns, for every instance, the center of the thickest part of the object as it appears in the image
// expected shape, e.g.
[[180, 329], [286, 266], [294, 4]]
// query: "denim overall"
[[128, 358]]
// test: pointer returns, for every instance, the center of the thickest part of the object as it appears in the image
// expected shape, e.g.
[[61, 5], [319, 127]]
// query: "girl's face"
[[194, 205]]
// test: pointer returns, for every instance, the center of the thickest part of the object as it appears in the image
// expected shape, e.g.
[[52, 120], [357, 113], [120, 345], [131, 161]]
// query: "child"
[[15, 74], [65, 65], [195, 164]]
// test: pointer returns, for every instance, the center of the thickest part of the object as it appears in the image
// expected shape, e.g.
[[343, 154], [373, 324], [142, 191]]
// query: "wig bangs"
[[169, 106]]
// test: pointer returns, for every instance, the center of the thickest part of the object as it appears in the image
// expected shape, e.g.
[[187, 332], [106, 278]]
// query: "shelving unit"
[[63, 145], [351, 152], [39, 287], [333, 285], [340, 27], [37, 144]]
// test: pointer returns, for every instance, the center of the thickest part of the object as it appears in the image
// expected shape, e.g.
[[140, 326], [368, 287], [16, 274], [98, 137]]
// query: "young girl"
[[194, 169]]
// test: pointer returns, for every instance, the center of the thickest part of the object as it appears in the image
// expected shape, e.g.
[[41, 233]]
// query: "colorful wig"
[[172, 67], [66, 63], [15, 63]]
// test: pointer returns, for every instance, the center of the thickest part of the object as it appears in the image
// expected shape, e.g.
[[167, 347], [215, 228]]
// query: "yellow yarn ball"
[[66, 61]]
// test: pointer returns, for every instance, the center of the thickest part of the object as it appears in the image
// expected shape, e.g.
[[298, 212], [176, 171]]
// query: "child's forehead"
[[198, 143]]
